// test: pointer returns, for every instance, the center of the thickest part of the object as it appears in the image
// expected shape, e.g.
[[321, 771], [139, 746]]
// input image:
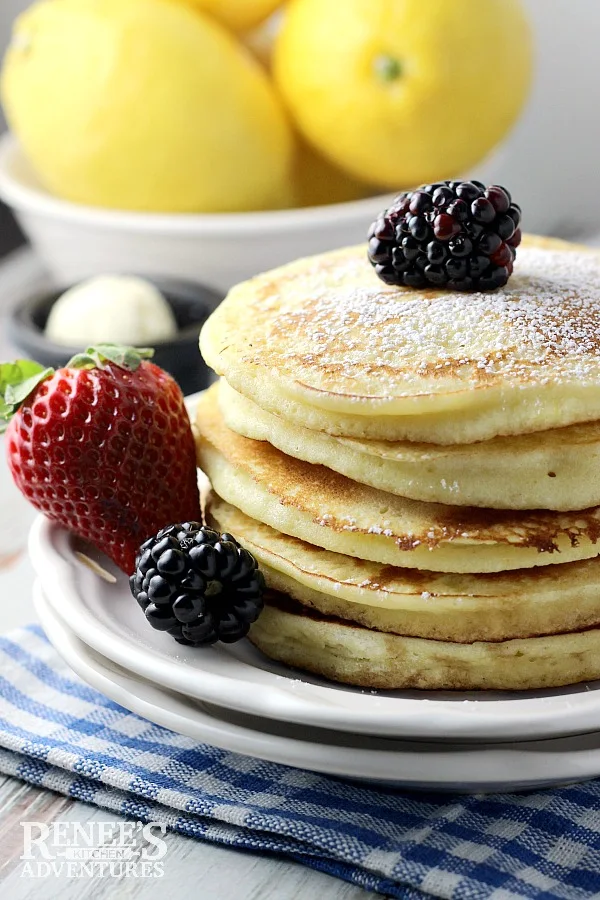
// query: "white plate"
[[106, 617], [417, 765]]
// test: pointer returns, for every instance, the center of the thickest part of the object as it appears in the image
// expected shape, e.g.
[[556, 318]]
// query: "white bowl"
[[75, 241]]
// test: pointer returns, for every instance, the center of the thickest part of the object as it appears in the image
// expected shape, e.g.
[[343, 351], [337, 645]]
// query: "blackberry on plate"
[[459, 235], [198, 585]]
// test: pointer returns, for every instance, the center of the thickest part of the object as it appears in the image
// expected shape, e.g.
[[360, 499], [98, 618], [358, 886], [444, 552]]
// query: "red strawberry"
[[103, 446]]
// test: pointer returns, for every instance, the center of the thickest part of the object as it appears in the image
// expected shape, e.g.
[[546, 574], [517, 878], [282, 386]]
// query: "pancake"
[[324, 343], [558, 469], [460, 608], [326, 509], [347, 653]]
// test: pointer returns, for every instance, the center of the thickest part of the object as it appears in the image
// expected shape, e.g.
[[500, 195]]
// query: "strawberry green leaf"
[[128, 357], [16, 394], [96, 357], [18, 380], [13, 373]]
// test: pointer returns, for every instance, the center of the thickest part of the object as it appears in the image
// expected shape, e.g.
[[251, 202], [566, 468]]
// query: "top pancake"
[[325, 343]]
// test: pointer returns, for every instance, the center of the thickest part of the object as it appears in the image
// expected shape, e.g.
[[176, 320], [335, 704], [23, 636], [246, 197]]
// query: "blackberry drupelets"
[[198, 585], [458, 235]]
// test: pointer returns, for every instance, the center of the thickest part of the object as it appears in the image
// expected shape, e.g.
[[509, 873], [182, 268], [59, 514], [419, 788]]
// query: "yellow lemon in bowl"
[[400, 92], [144, 105], [317, 182], [239, 15]]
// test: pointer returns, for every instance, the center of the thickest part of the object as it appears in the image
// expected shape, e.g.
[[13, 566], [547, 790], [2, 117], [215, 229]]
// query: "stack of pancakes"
[[417, 472]]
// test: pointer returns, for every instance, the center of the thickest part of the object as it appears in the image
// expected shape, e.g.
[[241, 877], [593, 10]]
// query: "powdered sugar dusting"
[[343, 323]]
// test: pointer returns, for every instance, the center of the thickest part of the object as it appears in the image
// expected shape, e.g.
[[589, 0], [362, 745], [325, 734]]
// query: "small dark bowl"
[[191, 304]]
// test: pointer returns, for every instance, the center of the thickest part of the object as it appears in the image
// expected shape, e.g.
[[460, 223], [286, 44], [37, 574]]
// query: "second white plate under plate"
[[107, 618], [384, 761]]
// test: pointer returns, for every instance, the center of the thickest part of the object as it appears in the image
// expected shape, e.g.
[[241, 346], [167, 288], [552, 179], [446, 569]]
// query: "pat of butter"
[[111, 309]]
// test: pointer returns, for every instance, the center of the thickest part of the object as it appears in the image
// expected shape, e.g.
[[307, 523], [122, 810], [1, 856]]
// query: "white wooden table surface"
[[191, 869]]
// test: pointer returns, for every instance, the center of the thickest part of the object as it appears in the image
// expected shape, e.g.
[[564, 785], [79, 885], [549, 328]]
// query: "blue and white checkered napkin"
[[57, 732]]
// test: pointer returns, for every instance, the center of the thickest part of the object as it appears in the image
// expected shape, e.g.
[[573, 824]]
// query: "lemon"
[[239, 15], [144, 105], [317, 182], [400, 92], [260, 41]]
